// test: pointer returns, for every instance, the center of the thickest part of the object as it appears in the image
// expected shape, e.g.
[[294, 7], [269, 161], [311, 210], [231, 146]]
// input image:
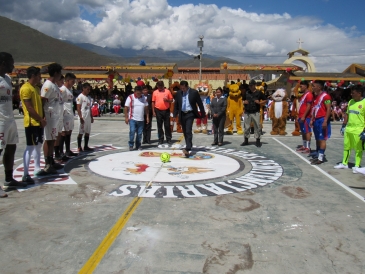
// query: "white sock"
[[320, 156], [308, 144], [37, 157], [26, 158]]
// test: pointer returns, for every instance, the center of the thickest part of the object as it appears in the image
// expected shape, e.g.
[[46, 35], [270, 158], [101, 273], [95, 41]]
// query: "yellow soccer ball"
[[165, 157]]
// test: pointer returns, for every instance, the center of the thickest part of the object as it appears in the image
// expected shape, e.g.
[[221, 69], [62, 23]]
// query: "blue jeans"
[[135, 127]]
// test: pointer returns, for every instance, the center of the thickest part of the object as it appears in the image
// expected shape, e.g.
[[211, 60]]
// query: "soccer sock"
[[308, 144], [86, 141], [68, 142], [79, 139], [346, 156], [37, 157], [62, 141], [57, 151], [358, 157], [26, 158], [8, 175], [321, 154]]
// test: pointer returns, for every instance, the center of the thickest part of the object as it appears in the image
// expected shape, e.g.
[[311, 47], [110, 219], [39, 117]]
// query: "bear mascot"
[[279, 112], [173, 89], [234, 108], [204, 90]]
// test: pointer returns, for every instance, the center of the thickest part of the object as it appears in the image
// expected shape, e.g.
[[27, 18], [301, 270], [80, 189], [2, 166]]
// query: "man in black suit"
[[147, 126], [186, 102], [218, 108]]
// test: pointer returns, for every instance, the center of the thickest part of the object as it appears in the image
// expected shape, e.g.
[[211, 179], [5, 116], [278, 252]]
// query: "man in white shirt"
[[58, 154], [83, 102], [135, 108], [51, 96], [68, 116], [8, 129]]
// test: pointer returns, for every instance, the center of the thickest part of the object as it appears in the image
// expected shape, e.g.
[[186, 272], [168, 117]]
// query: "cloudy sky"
[[246, 30]]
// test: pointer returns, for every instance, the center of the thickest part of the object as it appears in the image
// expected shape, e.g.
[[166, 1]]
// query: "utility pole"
[[200, 45]]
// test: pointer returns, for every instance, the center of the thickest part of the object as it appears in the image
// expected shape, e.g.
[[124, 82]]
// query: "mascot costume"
[[204, 90], [279, 112], [173, 89], [234, 108]]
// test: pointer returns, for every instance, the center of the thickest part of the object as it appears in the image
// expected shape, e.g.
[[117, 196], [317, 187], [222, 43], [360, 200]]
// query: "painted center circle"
[[145, 166]]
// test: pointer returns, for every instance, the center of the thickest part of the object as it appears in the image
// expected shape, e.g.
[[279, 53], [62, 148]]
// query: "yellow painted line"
[[103, 248], [109, 239]]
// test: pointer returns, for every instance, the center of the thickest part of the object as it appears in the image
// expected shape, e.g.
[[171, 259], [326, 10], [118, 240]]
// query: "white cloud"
[[245, 36]]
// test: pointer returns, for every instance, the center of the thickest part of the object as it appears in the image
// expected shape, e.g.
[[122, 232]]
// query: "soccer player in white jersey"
[[51, 95], [83, 102], [68, 116], [8, 129], [59, 140]]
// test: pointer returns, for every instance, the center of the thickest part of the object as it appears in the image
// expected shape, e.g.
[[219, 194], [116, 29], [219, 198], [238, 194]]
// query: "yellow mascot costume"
[[234, 108], [279, 112]]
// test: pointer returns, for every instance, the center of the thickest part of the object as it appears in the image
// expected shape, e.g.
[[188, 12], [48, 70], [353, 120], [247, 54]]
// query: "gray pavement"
[[297, 219]]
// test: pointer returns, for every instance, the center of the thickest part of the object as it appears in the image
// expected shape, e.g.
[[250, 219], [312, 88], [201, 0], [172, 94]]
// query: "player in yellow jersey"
[[352, 127]]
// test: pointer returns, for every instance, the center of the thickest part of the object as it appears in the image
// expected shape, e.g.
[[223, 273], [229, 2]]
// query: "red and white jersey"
[[85, 102], [307, 98], [6, 99], [52, 93], [319, 109], [67, 98]]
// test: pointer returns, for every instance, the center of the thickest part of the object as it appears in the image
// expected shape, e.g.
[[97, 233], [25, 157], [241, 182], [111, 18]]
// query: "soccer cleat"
[[50, 169], [71, 154], [306, 151], [88, 149], [27, 179], [40, 173], [341, 166], [316, 162], [64, 158], [300, 149], [3, 193], [14, 184]]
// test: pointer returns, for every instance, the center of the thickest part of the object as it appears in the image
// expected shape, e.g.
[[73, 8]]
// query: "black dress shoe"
[[258, 143], [220, 144], [169, 142], [186, 153], [245, 143], [214, 144], [144, 142]]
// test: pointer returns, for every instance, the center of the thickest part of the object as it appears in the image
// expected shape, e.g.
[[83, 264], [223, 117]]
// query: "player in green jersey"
[[352, 128]]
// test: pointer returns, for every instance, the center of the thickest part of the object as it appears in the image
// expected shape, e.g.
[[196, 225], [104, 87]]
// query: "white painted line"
[[323, 172], [20, 159]]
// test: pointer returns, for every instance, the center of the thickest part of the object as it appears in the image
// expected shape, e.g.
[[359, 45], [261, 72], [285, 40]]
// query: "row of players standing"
[[48, 115]]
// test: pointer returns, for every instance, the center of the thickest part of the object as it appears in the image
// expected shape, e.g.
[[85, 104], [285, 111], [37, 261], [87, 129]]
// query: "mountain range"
[[28, 45]]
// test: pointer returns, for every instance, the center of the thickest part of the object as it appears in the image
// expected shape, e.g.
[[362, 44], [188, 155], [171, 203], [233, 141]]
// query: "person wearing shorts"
[[352, 127], [68, 116], [59, 156], [8, 130], [320, 122], [304, 117], [51, 96], [83, 102], [33, 123]]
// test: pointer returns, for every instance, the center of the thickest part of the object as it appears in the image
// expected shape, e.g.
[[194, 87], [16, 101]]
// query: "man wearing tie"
[[218, 107], [186, 103]]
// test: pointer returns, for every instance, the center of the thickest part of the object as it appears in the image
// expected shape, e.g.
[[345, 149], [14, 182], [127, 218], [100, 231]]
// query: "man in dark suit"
[[186, 102], [218, 108], [147, 126]]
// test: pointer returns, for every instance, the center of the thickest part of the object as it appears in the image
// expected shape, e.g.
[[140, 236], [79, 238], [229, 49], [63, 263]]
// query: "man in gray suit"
[[218, 109]]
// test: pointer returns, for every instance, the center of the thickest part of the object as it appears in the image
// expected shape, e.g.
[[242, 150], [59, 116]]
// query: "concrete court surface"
[[301, 221]]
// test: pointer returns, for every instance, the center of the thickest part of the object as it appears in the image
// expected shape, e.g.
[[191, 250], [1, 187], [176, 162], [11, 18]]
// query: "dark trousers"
[[147, 129], [163, 117], [187, 120], [218, 128]]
